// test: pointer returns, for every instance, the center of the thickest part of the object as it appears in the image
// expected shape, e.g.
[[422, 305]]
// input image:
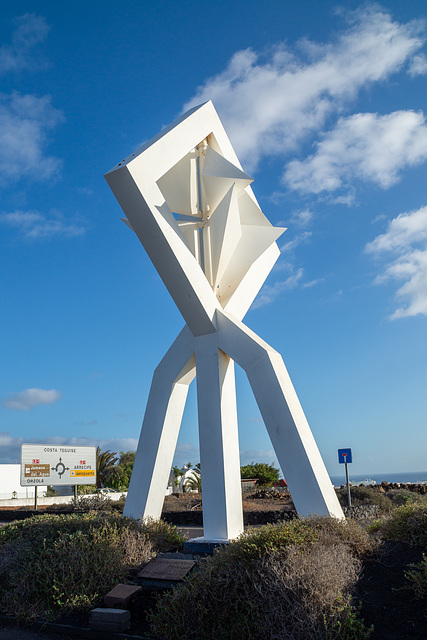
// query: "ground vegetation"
[[119, 476], [105, 462], [265, 473], [52, 564], [290, 581], [296, 579]]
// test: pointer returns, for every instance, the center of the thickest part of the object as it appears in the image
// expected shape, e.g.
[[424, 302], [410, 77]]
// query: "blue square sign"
[[344, 455]]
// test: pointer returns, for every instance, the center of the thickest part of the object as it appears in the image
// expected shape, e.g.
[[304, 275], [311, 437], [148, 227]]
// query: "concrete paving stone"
[[117, 620]]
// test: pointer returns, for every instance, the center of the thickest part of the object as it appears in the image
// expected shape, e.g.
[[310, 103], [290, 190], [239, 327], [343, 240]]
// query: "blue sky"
[[325, 105]]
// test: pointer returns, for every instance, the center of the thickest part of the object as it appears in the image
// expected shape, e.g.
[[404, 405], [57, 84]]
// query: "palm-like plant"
[[193, 482], [105, 461]]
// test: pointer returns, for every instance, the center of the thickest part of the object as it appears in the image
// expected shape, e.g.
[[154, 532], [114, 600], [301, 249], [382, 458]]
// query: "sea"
[[416, 477]]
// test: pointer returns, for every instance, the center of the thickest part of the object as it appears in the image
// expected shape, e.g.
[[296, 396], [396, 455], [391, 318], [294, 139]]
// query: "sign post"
[[345, 457], [52, 464]]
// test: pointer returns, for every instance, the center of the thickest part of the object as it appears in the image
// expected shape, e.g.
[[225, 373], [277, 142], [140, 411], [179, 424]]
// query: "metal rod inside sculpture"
[[189, 202]]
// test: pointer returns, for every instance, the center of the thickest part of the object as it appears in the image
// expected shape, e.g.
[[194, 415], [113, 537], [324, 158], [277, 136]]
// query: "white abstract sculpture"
[[213, 255]]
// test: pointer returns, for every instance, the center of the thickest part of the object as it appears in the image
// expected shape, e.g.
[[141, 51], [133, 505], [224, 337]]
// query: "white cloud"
[[270, 292], [112, 444], [300, 238], [313, 283], [406, 240], [30, 398], [24, 124], [302, 217], [418, 65], [365, 145], [30, 31], [402, 232], [116, 444], [26, 120], [270, 104], [10, 447], [34, 225]]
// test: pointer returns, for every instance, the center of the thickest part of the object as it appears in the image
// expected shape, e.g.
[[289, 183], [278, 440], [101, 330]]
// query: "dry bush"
[[53, 564], [303, 588], [92, 502], [331, 531], [279, 582]]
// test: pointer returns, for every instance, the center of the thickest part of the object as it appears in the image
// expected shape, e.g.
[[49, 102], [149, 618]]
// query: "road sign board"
[[344, 455], [51, 464]]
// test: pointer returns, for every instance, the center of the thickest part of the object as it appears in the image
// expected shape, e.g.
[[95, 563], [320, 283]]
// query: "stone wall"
[[362, 512]]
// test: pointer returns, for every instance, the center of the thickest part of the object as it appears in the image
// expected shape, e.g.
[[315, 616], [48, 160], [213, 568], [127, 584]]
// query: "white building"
[[10, 487]]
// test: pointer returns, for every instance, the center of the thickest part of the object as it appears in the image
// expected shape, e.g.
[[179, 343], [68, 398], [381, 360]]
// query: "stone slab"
[[120, 596], [166, 569], [116, 620]]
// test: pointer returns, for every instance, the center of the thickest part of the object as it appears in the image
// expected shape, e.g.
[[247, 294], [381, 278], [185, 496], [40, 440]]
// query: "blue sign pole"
[[345, 457]]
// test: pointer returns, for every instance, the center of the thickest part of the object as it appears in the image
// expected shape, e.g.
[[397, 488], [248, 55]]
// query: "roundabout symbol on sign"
[[62, 466]]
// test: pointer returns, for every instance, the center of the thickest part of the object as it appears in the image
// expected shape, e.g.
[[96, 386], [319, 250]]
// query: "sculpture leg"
[[219, 442], [160, 429], [290, 434]]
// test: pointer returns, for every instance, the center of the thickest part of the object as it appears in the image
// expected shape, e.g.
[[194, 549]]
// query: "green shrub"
[[262, 541], [162, 535], [52, 564], [265, 473], [348, 626], [293, 576], [401, 497], [361, 495], [416, 575], [407, 523]]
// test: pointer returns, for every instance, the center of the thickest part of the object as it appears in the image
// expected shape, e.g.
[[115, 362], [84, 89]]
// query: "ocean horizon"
[[415, 477]]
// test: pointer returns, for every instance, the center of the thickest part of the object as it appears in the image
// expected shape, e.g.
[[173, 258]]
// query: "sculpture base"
[[203, 546]]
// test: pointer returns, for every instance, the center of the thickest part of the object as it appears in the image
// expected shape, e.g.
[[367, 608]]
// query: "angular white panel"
[[250, 213], [219, 175], [254, 241], [190, 231], [240, 300], [179, 186], [215, 165], [225, 233]]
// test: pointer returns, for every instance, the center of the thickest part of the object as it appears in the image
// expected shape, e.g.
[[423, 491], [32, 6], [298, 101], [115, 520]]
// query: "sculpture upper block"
[[189, 183]]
